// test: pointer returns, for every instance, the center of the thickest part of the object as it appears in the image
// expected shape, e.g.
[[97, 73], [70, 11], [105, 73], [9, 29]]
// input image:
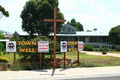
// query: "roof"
[[82, 33], [68, 25], [3, 40], [79, 33], [67, 29]]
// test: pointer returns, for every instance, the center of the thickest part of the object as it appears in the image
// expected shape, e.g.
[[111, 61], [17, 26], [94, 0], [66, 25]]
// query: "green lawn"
[[113, 51], [92, 59], [84, 58]]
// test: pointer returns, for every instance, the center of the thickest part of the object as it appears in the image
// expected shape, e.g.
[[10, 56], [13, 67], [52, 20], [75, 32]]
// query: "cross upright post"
[[55, 21]]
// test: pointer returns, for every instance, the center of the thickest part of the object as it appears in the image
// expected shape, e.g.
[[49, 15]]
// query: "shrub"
[[117, 48], [1, 46], [88, 48], [0, 54], [58, 47], [17, 66], [3, 59], [103, 49], [100, 49]]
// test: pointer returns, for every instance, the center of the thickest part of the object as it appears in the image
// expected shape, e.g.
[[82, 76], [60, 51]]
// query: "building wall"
[[95, 41]]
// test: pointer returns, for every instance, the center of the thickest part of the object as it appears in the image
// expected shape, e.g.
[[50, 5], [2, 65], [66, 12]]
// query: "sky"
[[100, 14]]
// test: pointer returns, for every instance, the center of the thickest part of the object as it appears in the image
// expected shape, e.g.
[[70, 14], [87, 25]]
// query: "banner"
[[72, 46], [11, 46], [80, 45], [43, 46], [63, 46]]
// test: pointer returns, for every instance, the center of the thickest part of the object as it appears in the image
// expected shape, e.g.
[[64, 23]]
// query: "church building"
[[69, 33]]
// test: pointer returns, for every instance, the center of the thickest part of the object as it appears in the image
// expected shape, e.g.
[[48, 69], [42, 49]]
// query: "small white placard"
[[11, 46], [43, 46], [80, 45], [63, 46]]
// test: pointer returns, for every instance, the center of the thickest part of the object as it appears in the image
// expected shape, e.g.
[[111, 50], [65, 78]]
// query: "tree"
[[73, 22], [1, 35], [77, 25], [114, 35], [95, 29], [3, 12], [1, 45], [33, 14]]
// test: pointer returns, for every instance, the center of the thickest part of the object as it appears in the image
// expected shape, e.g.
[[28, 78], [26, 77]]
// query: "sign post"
[[40, 55], [80, 48], [78, 57], [64, 59], [64, 49], [43, 47], [14, 56], [55, 21]]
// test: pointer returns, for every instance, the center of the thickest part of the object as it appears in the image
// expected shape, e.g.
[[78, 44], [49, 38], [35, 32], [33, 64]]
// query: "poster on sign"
[[80, 45], [11, 46], [63, 46], [43, 46]]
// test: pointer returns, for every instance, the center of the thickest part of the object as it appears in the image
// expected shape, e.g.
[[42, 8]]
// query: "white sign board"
[[43, 46], [11, 46], [63, 46], [80, 45]]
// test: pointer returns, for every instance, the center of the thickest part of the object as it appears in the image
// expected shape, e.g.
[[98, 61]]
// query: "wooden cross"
[[55, 21]]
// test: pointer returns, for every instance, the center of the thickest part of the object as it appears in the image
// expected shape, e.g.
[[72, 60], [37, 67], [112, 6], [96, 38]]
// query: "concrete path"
[[100, 53], [60, 73]]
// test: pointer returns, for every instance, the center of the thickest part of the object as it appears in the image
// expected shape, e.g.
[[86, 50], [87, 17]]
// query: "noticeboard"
[[43, 46], [80, 45], [11, 46], [63, 46]]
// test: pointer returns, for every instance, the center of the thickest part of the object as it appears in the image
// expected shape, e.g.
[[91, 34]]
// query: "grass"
[[85, 59], [98, 61], [113, 51]]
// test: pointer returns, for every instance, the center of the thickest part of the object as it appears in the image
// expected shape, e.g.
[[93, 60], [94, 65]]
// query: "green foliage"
[[1, 46], [114, 35], [117, 48], [103, 49], [17, 66], [78, 25], [58, 47], [17, 39], [3, 59], [4, 12], [88, 48], [0, 54], [1, 35], [34, 13], [73, 22]]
